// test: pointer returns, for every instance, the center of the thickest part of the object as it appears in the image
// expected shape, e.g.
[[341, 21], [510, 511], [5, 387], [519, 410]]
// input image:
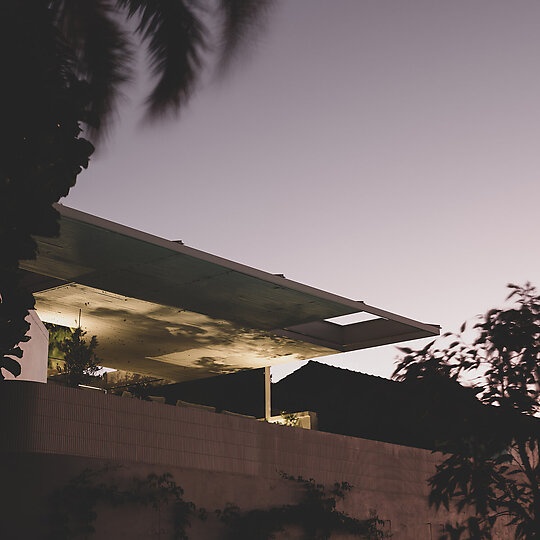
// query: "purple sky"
[[387, 151]]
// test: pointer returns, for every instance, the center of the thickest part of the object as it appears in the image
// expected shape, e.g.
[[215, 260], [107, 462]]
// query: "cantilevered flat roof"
[[162, 308]]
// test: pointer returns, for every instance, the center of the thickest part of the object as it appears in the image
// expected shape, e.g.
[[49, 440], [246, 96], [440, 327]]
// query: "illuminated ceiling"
[[161, 308]]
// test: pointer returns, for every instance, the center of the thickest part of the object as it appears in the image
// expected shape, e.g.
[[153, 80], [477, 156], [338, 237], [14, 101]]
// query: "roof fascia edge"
[[345, 346], [386, 340], [435, 329], [355, 305]]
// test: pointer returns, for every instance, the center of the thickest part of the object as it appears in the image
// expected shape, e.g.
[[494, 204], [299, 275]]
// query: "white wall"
[[35, 352]]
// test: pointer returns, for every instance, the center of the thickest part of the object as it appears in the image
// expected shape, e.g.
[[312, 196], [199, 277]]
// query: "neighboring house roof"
[[241, 392], [165, 309], [420, 413]]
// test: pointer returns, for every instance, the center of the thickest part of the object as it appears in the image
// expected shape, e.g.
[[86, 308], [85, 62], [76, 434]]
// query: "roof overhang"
[[163, 308]]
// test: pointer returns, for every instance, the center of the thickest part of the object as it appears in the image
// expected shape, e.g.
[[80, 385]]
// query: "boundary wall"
[[51, 433]]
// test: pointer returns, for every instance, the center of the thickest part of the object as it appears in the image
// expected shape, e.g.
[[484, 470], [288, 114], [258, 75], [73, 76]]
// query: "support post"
[[267, 396]]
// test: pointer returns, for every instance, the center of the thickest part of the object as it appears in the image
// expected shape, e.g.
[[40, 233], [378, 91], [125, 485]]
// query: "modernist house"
[[163, 309]]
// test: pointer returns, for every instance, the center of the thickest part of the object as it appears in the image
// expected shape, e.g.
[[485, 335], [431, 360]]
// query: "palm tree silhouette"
[[64, 63], [176, 35]]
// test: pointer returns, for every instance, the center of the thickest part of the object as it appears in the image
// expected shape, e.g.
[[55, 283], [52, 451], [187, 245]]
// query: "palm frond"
[[176, 39], [242, 19], [102, 54]]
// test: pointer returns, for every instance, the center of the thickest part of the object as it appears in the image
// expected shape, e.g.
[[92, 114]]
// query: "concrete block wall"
[[215, 457]]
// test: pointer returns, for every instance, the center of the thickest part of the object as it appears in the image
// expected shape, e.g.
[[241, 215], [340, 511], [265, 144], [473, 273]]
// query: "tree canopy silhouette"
[[64, 63], [494, 476]]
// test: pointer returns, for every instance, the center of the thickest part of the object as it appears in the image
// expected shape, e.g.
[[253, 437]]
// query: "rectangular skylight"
[[352, 318]]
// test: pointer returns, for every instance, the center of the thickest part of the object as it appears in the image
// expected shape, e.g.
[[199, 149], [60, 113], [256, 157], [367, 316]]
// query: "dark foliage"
[[101, 50], [175, 34], [42, 151], [75, 506], [240, 19], [80, 361], [316, 514], [493, 475], [57, 335]]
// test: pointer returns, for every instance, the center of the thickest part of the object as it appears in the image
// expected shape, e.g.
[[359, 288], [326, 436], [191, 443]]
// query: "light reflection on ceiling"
[[144, 337]]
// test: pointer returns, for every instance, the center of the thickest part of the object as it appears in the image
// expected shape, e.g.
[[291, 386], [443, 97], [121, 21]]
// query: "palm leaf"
[[176, 39], [102, 53], [241, 20]]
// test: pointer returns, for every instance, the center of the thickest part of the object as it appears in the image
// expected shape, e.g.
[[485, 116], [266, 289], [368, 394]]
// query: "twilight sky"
[[387, 151]]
